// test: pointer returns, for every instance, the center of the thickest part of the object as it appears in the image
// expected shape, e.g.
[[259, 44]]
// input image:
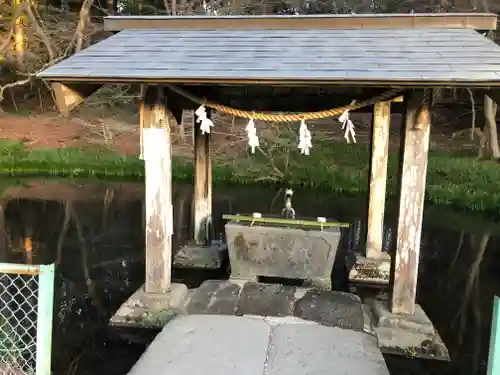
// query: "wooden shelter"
[[184, 58]]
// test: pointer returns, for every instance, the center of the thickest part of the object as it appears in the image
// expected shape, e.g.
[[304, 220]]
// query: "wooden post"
[[202, 187], [378, 179], [141, 121], [158, 201], [412, 175], [111, 7]]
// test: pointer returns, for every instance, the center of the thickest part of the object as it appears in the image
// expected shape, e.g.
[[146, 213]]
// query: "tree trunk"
[[489, 143]]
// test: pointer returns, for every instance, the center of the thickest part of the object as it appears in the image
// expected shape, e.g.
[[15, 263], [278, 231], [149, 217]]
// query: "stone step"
[[335, 309]]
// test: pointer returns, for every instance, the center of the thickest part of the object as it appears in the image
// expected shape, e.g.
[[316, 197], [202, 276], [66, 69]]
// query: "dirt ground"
[[54, 131], [120, 133]]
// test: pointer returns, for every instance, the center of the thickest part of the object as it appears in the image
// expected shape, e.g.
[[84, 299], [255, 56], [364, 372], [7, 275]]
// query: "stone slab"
[[225, 300], [222, 344], [411, 336], [201, 297], [334, 309], [147, 310], [192, 256], [372, 271], [266, 299], [313, 349]]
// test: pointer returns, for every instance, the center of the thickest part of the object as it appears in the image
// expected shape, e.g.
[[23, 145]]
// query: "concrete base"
[[201, 257], [146, 310], [250, 345], [412, 336], [371, 271]]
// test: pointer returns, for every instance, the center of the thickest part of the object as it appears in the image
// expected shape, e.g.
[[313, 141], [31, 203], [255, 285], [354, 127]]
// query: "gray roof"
[[354, 56]]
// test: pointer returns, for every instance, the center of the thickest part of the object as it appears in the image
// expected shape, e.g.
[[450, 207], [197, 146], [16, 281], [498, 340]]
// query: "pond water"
[[94, 232]]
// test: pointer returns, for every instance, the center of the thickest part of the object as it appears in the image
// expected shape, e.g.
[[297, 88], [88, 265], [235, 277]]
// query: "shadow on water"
[[95, 234]]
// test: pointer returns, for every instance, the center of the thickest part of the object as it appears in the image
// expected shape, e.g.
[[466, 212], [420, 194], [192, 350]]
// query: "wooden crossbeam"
[[476, 21]]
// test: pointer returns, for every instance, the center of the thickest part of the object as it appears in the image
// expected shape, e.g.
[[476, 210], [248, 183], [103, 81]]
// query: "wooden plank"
[[213, 68], [69, 96], [158, 201], [478, 21], [412, 177], [202, 225], [378, 179]]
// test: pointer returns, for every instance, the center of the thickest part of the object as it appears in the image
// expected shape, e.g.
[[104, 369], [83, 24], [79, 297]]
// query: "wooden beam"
[[378, 179], [111, 79], [477, 21], [412, 176], [202, 225], [68, 96], [157, 163]]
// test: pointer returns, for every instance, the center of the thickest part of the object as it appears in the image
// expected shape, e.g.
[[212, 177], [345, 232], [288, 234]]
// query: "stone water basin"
[[283, 248]]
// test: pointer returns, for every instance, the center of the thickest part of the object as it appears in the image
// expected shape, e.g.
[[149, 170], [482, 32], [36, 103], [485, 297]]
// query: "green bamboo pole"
[[44, 322], [494, 355], [284, 221]]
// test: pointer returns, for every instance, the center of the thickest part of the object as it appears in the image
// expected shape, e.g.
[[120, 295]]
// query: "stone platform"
[[335, 309], [145, 310], [192, 256], [250, 345], [410, 336], [371, 271]]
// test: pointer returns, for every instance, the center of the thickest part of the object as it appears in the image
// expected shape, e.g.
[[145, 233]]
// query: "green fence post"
[[494, 355], [44, 321]]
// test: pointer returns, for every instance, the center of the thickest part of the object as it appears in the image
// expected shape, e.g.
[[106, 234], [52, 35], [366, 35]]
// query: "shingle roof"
[[375, 56]]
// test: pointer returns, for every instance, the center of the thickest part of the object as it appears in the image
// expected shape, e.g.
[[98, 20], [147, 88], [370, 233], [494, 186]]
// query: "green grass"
[[453, 178]]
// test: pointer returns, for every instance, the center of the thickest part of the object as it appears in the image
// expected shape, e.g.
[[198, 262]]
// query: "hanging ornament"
[[253, 139], [205, 122], [348, 125], [304, 138]]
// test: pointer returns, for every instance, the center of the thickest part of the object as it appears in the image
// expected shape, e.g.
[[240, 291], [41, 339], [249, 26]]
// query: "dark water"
[[94, 232]]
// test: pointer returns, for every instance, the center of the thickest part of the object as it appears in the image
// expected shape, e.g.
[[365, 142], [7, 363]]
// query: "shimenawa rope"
[[390, 94]]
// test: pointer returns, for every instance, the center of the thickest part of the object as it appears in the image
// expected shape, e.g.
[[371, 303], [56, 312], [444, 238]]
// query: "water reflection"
[[95, 234]]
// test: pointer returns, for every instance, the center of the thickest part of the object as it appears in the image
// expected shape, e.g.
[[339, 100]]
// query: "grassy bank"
[[454, 178]]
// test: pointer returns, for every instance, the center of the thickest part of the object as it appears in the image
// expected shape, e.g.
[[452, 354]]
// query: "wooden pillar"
[[158, 201], [378, 179], [141, 122], [111, 7], [412, 176], [202, 187]]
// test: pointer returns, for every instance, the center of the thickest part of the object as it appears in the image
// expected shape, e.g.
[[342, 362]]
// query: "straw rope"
[[276, 117]]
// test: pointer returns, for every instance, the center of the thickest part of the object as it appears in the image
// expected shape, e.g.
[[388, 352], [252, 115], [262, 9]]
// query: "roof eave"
[[271, 82]]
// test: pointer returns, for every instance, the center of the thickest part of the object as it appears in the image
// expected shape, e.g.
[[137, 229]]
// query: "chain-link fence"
[[26, 309]]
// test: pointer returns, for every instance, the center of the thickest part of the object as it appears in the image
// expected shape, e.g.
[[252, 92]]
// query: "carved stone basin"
[[282, 250]]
